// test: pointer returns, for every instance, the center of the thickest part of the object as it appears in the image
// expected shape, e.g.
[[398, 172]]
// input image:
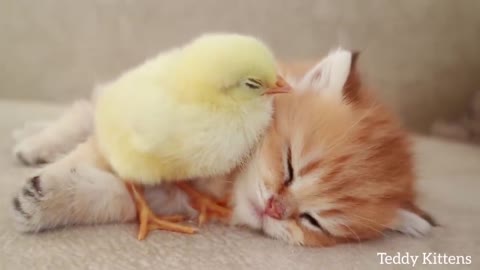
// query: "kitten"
[[334, 166]]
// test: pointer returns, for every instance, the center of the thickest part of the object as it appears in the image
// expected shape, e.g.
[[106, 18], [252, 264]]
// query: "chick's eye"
[[253, 84], [289, 168]]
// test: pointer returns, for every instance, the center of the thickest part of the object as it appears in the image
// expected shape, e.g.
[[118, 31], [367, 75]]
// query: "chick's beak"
[[281, 86]]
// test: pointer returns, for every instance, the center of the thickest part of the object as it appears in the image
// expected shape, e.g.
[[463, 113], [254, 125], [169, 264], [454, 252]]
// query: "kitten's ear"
[[334, 76], [413, 221]]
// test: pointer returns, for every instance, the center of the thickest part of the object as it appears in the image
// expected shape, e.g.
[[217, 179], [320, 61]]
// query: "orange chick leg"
[[207, 206], [148, 221]]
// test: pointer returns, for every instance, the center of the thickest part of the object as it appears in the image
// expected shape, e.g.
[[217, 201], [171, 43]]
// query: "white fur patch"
[[411, 224], [249, 192]]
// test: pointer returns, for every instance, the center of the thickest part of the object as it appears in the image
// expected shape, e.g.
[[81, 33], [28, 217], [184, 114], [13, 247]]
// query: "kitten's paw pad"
[[412, 224], [27, 206], [40, 204], [32, 188]]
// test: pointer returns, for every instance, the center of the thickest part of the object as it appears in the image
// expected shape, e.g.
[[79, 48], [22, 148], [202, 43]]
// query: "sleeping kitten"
[[334, 166]]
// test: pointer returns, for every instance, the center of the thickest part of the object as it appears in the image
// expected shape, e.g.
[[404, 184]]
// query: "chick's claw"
[[208, 207], [148, 221]]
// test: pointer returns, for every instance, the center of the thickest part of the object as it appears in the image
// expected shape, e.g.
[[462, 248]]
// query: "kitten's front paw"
[[29, 147], [45, 142], [32, 152], [28, 206]]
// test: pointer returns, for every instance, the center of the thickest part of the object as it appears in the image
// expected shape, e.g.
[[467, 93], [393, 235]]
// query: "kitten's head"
[[335, 165]]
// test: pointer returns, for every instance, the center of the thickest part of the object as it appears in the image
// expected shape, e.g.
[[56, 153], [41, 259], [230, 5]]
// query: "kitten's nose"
[[275, 208]]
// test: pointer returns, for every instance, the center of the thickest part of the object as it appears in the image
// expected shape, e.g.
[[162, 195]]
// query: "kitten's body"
[[335, 166]]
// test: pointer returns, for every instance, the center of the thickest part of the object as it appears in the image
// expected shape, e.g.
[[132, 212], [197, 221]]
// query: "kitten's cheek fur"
[[249, 194], [243, 211], [243, 215], [286, 230]]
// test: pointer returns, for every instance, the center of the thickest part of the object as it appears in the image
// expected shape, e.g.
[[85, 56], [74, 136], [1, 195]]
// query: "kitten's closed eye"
[[314, 222], [289, 173]]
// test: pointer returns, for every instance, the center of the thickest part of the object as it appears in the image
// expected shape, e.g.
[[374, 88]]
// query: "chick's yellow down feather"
[[194, 111]]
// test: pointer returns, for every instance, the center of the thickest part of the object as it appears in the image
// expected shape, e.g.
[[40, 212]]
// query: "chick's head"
[[222, 69]]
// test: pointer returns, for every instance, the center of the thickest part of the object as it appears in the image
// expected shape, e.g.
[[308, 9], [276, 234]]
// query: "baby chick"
[[192, 112]]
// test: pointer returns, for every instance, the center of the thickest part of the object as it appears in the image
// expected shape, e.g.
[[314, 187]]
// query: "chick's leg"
[[148, 221], [207, 206]]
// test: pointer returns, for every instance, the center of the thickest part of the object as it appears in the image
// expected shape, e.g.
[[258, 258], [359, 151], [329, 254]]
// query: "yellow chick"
[[192, 112]]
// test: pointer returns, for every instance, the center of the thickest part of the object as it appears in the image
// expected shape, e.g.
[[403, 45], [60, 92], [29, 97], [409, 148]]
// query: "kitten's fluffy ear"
[[413, 222], [334, 76]]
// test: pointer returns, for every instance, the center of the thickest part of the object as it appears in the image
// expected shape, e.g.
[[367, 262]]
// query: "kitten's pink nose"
[[275, 208]]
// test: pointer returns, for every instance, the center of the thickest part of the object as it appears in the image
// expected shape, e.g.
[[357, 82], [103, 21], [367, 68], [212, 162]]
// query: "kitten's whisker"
[[228, 180], [352, 231], [260, 191], [371, 221], [372, 228]]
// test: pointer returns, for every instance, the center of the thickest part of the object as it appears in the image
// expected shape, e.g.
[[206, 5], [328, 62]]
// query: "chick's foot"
[[208, 207], [147, 219]]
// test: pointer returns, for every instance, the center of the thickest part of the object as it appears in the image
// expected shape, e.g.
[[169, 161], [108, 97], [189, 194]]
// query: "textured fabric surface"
[[449, 182], [421, 54]]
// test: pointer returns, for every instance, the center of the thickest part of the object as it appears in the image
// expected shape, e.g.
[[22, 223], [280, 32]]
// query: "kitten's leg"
[[47, 142], [78, 189]]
